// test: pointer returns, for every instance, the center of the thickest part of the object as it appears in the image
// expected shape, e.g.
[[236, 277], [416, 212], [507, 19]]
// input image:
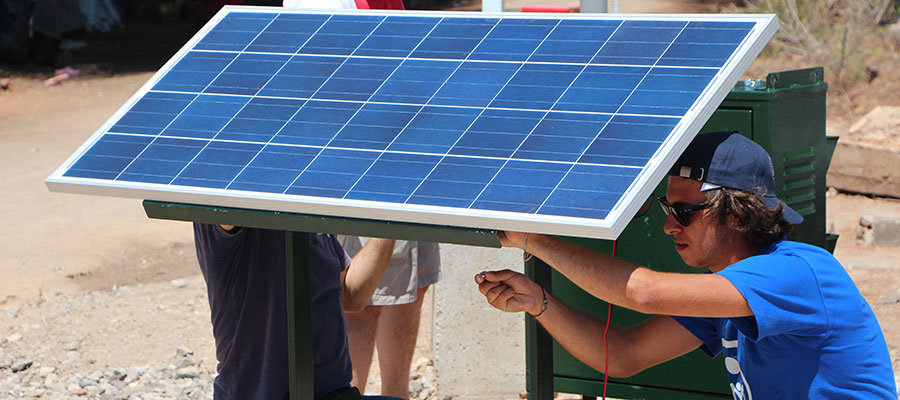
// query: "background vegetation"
[[856, 41]]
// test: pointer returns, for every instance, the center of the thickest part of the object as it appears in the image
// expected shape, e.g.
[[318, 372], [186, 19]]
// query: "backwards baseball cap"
[[728, 159]]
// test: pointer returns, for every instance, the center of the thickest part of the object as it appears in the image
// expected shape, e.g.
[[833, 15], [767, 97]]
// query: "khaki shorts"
[[413, 265]]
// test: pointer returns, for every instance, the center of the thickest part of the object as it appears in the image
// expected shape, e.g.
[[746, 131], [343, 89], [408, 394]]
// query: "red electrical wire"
[[609, 318], [605, 331]]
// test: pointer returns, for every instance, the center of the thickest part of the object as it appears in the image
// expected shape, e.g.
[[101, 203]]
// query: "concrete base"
[[479, 352], [864, 168], [879, 226]]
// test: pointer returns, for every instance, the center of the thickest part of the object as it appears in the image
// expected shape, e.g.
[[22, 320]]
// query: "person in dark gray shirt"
[[244, 269]]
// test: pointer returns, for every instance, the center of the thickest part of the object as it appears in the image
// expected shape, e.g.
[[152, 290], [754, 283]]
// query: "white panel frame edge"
[[608, 228]]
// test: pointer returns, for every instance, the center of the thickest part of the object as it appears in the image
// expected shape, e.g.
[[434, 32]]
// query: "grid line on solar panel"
[[423, 106], [513, 62], [243, 76], [180, 112], [598, 133], [419, 104], [494, 105], [351, 118], [393, 140], [590, 33], [464, 132], [518, 147], [485, 36], [546, 160], [235, 177], [543, 201]]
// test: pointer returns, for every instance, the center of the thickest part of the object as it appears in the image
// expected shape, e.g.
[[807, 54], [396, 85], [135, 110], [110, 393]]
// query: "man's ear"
[[733, 221], [731, 225]]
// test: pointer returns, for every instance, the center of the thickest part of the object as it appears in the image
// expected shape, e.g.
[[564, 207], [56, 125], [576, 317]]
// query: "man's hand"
[[510, 291], [511, 239]]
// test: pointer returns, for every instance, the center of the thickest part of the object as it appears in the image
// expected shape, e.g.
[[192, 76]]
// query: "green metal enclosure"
[[786, 115]]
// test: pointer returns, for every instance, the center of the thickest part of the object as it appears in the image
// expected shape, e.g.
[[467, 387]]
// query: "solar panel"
[[550, 123]]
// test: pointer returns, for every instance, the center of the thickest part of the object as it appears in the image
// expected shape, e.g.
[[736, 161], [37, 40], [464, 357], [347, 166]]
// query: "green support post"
[[300, 345], [539, 343]]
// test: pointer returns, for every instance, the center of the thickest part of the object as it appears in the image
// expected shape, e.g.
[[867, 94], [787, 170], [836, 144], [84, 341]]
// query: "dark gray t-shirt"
[[245, 277]]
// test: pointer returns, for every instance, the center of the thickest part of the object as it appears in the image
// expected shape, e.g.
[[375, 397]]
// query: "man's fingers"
[[501, 301], [501, 288], [495, 291], [486, 286], [495, 276]]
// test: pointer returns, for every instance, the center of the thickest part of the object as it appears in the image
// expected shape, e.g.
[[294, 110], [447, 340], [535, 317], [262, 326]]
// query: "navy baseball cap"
[[728, 159]]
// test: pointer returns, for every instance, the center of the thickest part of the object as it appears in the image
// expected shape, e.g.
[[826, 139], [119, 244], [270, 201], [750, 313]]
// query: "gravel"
[[142, 342], [108, 344], [159, 381]]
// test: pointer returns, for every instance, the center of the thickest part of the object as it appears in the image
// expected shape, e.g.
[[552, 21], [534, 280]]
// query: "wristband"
[[544, 304], [526, 256]]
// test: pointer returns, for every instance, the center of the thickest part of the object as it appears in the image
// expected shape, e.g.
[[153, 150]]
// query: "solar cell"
[[548, 123]]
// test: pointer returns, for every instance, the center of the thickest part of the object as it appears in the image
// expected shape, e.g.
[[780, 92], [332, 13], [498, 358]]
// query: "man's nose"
[[672, 226]]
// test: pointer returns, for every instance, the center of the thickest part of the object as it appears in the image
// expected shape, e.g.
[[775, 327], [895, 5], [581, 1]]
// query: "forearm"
[[365, 272], [631, 350], [638, 288], [603, 276], [582, 336]]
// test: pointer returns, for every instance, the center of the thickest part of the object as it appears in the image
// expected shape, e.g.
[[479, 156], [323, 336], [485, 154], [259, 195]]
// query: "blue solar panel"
[[548, 123]]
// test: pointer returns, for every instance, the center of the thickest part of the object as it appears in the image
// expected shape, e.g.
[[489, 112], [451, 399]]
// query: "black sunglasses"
[[682, 214]]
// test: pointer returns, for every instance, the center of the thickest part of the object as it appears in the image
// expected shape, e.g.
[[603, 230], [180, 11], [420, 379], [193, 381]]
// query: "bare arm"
[[631, 350], [629, 285], [361, 279]]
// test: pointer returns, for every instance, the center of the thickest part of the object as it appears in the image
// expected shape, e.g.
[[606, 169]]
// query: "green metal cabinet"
[[785, 114]]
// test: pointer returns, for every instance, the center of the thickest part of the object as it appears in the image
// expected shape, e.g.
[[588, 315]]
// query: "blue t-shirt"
[[812, 335], [245, 278]]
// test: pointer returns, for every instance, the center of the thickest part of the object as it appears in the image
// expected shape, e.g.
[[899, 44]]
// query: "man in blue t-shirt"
[[244, 269], [788, 318]]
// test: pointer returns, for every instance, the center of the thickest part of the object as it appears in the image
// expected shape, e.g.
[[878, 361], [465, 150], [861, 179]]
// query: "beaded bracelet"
[[544, 305]]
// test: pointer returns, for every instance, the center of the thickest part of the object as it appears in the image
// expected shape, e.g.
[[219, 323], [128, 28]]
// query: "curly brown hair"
[[745, 212]]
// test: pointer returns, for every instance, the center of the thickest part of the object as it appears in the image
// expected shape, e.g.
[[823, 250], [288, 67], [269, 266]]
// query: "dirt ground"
[[97, 272]]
